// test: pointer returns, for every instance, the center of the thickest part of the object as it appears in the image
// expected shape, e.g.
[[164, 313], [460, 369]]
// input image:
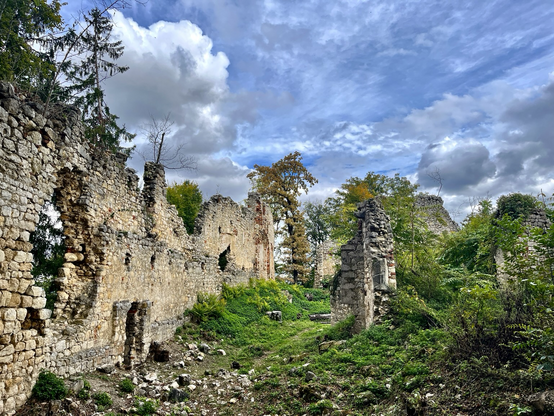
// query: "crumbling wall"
[[326, 262], [536, 219], [367, 274], [242, 236], [130, 269], [431, 210]]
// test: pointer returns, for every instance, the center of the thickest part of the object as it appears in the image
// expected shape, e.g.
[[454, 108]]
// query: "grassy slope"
[[405, 368]]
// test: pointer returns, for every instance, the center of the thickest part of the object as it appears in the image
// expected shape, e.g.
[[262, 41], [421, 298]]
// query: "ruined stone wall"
[[431, 210], [326, 262], [130, 269], [367, 274], [535, 219], [243, 235]]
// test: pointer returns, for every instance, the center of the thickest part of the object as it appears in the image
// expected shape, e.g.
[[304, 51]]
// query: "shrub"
[[84, 393], [102, 399], [145, 407], [49, 387], [126, 386], [208, 306]]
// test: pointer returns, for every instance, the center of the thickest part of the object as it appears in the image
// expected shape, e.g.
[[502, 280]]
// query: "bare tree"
[[161, 150], [436, 176]]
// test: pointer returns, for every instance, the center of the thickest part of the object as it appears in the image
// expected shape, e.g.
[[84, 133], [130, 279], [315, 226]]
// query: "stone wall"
[[431, 210], [130, 269], [367, 273], [536, 219], [326, 262]]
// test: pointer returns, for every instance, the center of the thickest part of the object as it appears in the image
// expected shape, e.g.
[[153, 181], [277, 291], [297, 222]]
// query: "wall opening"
[[48, 250], [222, 261]]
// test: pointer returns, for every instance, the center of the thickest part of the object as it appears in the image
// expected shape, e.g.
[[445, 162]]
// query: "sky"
[[462, 90]]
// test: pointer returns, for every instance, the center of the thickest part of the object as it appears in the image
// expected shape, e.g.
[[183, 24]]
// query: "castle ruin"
[[130, 268]]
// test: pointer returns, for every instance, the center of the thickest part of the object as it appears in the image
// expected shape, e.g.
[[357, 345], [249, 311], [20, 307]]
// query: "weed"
[[126, 386], [102, 399]]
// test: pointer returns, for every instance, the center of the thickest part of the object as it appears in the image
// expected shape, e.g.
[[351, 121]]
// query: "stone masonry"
[[367, 274], [130, 269], [326, 262], [431, 210]]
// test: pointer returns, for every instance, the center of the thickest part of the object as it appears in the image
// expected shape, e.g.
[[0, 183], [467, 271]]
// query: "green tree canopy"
[[24, 28], [281, 184], [187, 198]]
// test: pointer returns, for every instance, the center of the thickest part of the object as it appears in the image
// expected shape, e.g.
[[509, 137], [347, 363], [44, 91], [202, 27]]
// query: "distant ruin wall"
[[431, 210], [536, 219], [130, 269], [326, 262], [367, 274]]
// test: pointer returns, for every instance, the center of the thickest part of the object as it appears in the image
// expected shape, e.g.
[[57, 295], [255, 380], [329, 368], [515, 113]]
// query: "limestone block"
[[35, 137], [62, 296], [20, 346], [20, 257], [24, 285], [39, 303], [72, 257], [2, 255], [35, 291], [5, 297], [21, 314], [4, 118], [7, 350], [15, 300], [13, 285]]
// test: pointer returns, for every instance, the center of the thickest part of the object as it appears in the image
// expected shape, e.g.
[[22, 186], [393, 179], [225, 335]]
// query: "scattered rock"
[[309, 296], [221, 352], [151, 377], [310, 376], [106, 369], [205, 348], [543, 402], [178, 396], [235, 365], [184, 379], [275, 315]]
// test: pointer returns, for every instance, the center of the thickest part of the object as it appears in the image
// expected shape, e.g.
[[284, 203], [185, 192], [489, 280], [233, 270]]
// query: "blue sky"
[[462, 88]]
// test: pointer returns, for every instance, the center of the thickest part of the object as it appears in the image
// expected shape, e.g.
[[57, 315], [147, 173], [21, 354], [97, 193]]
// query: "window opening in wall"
[[222, 262], [128, 260], [48, 250], [152, 260], [219, 230]]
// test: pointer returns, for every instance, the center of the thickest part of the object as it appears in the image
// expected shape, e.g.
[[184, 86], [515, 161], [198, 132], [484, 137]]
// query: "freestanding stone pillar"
[[367, 274]]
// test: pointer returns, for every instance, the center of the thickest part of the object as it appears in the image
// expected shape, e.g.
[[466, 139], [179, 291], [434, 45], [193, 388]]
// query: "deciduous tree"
[[187, 198], [281, 184]]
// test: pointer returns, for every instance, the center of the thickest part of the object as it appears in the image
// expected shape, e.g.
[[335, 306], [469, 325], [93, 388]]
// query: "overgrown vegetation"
[[187, 198], [457, 338], [49, 387]]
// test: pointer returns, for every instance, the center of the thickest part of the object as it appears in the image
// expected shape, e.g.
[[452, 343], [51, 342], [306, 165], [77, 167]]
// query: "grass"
[[401, 365]]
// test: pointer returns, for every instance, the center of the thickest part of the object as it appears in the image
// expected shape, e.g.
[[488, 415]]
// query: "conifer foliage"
[[98, 63]]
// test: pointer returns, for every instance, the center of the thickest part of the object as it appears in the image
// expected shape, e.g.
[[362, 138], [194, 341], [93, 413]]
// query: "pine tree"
[[97, 63]]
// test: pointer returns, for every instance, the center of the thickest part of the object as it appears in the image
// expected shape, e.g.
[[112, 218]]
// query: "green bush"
[[49, 387], [84, 393], [126, 386], [102, 399], [208, 306], [145, 407], [516, 205]]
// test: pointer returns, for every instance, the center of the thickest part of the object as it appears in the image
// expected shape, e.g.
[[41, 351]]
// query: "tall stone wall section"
[[430, 209], [130, 269], [326, 262], [367, 274]]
